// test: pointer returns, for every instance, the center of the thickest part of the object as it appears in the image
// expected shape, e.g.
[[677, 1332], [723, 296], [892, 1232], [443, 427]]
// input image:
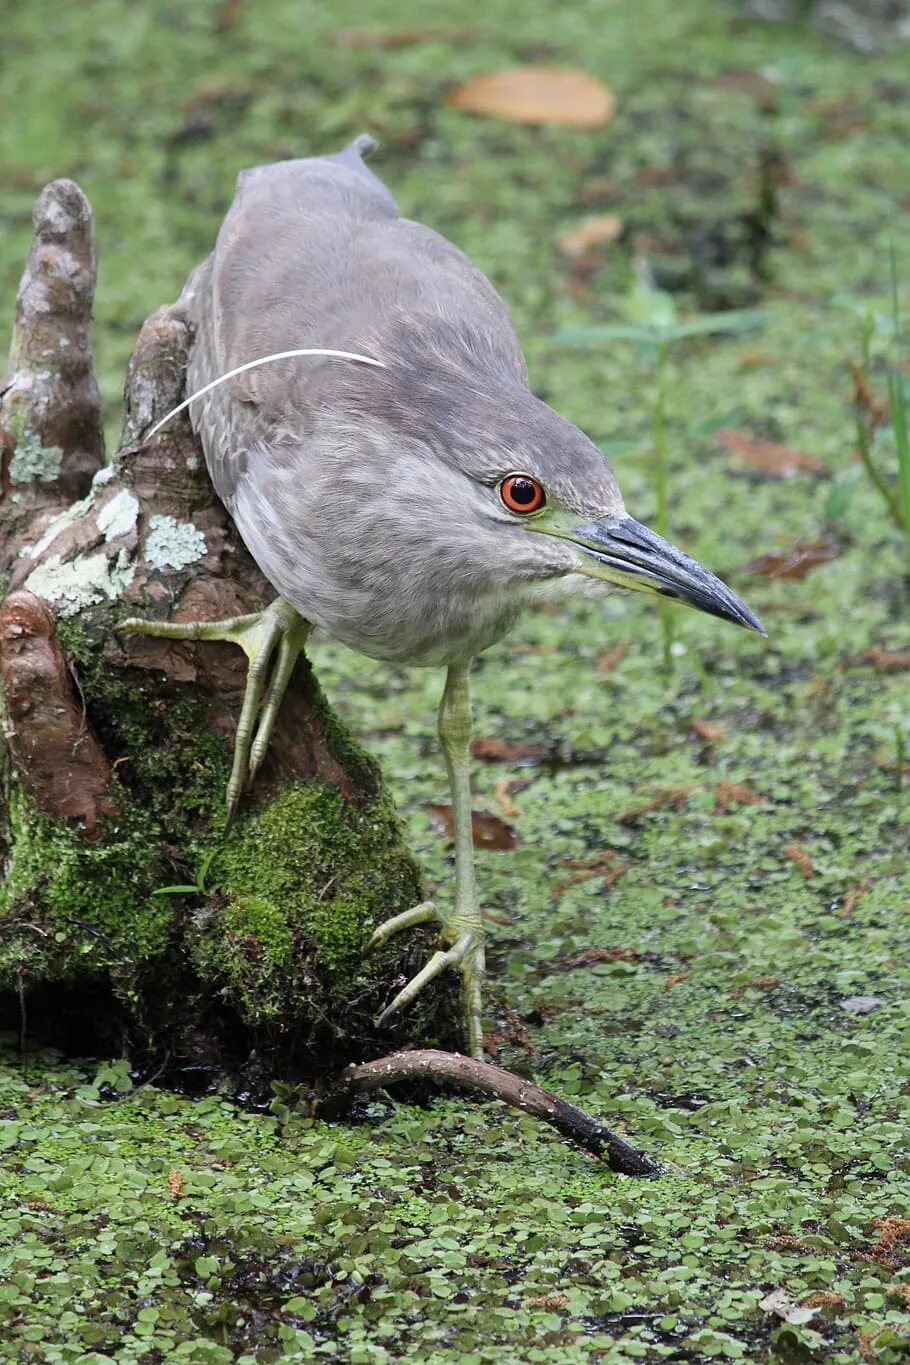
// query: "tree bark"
[[117, 748]]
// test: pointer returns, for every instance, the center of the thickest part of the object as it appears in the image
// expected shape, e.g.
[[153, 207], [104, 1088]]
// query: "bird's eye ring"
[[522, 494]]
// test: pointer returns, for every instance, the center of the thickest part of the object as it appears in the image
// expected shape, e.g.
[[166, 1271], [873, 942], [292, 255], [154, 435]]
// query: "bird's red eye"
[[521, 493]]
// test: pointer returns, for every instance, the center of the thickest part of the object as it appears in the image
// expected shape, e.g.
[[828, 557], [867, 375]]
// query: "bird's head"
[[546, 498]]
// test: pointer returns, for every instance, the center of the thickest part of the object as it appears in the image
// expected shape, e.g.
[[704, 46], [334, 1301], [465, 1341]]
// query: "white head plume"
[[251, 365]]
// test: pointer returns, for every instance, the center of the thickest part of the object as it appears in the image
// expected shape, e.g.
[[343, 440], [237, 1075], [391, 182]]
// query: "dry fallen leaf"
[[667, 796], [174, 1183], [754, 359], [674, 979], [852, 899], [803, 859], [893, 1232], [537, 94], [709, 730], [602, 865], [610, 658], [505, 751], [728, 794], [586, 957], [515, 1032], [824, 1299], [888, 661], [488, 830], [594, 232], [768, 457], [796, 562]]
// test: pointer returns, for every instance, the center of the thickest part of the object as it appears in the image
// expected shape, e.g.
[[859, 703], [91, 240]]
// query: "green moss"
[[293, 897], [72, 906], [172, 765]]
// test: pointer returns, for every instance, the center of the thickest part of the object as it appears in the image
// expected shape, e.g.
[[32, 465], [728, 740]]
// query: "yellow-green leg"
[[271, 640], [462, 929]]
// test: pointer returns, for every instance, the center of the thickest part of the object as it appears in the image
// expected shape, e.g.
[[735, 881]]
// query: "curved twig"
[[451, 1068]]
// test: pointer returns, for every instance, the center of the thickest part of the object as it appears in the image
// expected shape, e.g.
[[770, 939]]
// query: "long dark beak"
[[627, 553]]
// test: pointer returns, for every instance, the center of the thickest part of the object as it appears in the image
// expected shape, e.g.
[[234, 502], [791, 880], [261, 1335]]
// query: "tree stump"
[[117, 749]]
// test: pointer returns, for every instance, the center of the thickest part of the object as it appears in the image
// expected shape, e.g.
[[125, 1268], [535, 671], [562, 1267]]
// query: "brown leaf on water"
[[667, 796], [603, 865], [727, 794], [893, 1232], [886, 660], [709, 730], [754, 359], [823, 1299], [587, 957], [852, 899], [674, 979], [487, 829], [768, 457], [757, 983], [537, 94], [505, 751], [592, 233], [514, 1032], [174, 1183], [610, 658], [797, 561], [801, 857]]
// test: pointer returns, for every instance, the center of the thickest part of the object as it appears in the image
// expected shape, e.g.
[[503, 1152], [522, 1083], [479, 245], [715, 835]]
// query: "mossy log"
[[117, 750]]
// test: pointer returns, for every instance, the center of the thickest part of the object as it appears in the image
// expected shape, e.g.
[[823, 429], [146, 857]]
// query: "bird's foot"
[[463, 938], [271, 639]]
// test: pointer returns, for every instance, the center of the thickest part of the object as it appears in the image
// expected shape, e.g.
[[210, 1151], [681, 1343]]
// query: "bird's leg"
[[271, 639], [462, 930]]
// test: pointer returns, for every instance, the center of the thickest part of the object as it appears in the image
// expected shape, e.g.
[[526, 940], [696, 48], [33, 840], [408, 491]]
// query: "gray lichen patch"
[[118, 517], [53, 529], [33, 460], [82, 582], [173, 544]]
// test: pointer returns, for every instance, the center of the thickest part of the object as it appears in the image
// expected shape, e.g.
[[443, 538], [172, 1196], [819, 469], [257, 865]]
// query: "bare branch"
[[451, 1068]]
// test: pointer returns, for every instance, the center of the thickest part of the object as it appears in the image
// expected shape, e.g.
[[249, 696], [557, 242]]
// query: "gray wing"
[[314, 253]]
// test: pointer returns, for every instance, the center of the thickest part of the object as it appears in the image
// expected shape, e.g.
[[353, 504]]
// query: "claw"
[[277, 628], [425, 913], [467, 951], [437, 963]]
